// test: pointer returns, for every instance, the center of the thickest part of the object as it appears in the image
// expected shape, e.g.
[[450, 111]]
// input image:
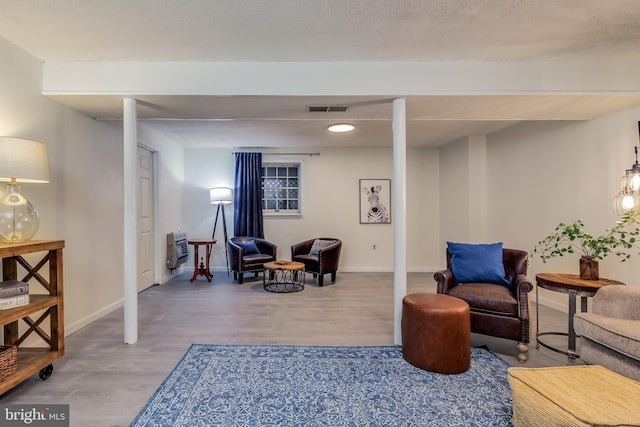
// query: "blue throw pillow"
[[248, 248], [477, 263]]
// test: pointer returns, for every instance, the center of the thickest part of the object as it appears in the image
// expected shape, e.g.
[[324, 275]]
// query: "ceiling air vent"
[[327, 108]]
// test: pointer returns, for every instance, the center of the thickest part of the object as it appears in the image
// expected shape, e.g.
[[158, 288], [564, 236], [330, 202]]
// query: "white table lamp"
[[21, 161]]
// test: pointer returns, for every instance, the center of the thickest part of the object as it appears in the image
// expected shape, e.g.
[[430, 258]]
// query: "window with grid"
[[281, 188]]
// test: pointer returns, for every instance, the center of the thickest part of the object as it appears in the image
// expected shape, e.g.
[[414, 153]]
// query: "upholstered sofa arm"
[[235, 255], [621, 302], [444, 279], [522, 284], [522, 288]]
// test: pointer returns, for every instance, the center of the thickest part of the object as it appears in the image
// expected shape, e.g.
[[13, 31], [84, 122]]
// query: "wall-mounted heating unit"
[[177, 250]]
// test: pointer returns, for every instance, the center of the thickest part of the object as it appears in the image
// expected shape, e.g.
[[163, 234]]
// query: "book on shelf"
[[11, 288], [15, 301]]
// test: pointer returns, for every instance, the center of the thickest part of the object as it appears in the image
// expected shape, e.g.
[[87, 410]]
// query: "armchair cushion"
[[477, 263], [620, 335], [318, 245], [249, 247], [487, 297]]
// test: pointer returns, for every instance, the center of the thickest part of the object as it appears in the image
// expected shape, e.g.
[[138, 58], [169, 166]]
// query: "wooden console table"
[[49, 305], [574, 286], [203, 268]]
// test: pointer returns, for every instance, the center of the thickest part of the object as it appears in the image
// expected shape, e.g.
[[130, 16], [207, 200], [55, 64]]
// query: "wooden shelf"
[[36, 303], [30, 362], [13, 249], [34, 360]]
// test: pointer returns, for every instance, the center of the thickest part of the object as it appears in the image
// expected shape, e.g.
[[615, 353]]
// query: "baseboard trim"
[[550, 303], [76, 326]]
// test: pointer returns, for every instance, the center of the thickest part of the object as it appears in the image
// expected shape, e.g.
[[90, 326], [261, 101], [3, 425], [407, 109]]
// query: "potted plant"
[[620, 240]]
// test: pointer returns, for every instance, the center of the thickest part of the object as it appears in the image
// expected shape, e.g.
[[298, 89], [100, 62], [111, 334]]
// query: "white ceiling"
[[330, 30]]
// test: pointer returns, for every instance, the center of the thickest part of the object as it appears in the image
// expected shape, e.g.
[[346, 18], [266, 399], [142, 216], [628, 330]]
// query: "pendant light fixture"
[[629, 196]]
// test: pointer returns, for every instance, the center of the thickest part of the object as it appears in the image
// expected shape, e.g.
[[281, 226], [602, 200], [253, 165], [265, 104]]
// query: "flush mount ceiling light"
[[341, 127]]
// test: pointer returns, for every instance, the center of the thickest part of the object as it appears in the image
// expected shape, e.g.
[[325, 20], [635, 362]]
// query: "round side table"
[[574, 286]]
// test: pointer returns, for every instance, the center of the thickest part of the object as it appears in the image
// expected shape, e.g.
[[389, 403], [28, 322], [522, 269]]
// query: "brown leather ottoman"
[[436, 333]]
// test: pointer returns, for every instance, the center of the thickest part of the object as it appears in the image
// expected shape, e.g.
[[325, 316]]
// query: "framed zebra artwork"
[[375, 201]]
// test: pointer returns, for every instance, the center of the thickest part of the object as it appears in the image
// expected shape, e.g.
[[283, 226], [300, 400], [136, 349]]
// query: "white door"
[[145, 219]]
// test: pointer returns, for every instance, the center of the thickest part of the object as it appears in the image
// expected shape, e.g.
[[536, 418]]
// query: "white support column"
[[130, 250], [399, 210]]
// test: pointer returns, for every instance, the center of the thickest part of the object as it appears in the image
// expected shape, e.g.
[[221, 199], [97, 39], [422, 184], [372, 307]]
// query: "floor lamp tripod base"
[[224, 226]]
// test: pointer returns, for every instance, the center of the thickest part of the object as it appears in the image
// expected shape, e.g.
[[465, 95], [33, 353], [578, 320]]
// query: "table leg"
[[537, 317], [572, 332], [195, 263], [207, 272]]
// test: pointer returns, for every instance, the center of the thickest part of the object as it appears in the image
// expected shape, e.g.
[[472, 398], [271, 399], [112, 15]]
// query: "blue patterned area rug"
[[237, 385]]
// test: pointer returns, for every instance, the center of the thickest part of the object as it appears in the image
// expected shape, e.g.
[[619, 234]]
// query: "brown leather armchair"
[[247, 257], [496, 310], [319, 259]]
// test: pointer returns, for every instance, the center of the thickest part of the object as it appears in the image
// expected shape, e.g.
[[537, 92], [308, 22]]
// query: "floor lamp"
[[221, 196]]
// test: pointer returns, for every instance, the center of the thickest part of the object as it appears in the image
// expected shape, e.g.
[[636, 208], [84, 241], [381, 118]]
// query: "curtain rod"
[[281, 154]]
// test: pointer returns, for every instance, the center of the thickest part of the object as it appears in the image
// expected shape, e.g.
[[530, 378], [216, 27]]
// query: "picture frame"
[[375, 201]]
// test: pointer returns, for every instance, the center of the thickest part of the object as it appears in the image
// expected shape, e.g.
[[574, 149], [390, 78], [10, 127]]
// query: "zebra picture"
[[374, 208]]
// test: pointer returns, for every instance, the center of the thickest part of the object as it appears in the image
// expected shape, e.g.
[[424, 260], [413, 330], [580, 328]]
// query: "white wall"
[[541, 174], [453, 193], [83, 203], [169, 192], [331, 191]]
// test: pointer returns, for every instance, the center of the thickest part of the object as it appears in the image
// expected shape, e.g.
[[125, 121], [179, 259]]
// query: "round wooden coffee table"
[[283, 276]]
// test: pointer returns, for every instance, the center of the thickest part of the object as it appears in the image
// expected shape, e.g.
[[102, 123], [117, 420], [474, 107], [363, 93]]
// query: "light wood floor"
[[107, 382]]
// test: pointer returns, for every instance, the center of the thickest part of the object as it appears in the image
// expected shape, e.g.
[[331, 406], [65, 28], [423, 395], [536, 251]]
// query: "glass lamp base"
[[19, 220]]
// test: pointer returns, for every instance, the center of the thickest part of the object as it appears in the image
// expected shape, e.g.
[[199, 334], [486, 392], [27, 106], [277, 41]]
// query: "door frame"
[[157, 241]]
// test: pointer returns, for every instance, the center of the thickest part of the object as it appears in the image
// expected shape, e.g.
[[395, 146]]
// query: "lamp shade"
[[220, 195], [22, 160]]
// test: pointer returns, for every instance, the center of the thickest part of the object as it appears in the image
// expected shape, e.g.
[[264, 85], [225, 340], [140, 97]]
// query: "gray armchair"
[[611, 331]]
